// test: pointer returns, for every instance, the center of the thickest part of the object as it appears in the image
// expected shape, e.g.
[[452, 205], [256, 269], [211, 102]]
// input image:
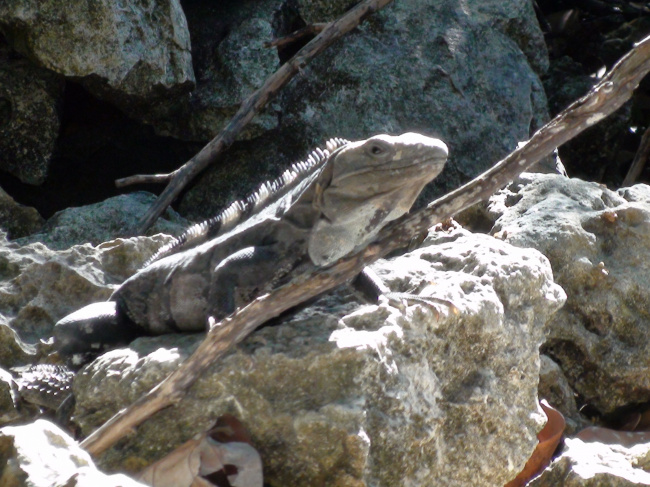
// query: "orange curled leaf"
[[549, 438]]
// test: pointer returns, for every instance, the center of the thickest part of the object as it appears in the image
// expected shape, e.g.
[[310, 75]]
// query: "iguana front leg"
[[245, 275]]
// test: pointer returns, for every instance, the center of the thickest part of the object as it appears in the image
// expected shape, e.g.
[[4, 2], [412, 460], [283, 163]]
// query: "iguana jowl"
[[335, 206]]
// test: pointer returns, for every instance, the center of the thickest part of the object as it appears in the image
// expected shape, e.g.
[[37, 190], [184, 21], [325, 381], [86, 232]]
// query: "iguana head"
[[365, 185]]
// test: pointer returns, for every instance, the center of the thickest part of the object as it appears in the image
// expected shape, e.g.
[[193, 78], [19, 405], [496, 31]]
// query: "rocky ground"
[[549, 278]]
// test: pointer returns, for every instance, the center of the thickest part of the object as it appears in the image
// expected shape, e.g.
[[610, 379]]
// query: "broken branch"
[[188, 171], [310, 30], [143, 179], [603, 99]]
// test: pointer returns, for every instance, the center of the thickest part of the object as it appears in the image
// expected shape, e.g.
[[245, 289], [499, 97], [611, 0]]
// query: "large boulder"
[[340, 395], [231, 62], [129, 52], [466, 72], [598, 242], [103, 221], [30, 105]]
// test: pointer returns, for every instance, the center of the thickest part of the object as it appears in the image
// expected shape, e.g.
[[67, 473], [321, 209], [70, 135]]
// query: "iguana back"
[[265, 195]]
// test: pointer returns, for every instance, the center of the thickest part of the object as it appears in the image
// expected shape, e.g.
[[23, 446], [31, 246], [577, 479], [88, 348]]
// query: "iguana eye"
[[376, 150]]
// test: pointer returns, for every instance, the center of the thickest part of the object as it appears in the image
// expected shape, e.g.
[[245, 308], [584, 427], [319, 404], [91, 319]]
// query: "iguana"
[[327, 207]]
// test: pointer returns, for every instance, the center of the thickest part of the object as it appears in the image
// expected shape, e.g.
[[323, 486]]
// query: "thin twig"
[[310, 30], [640, 159], [143, 179], [603, 99], [183, 175]]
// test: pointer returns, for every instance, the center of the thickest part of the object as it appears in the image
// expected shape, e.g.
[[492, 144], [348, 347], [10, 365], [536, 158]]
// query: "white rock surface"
[[42, 455]]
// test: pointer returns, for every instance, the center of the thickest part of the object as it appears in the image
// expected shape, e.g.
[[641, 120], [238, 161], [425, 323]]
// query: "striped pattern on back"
[[241, 210]]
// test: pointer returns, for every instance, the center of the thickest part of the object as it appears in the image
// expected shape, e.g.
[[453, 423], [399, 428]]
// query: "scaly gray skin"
[[335, 208]]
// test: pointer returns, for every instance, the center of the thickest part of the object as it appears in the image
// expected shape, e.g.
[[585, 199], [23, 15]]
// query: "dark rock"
[[30, 99]]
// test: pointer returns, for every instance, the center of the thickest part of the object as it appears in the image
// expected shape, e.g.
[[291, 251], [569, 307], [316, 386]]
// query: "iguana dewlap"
[[335, 206]]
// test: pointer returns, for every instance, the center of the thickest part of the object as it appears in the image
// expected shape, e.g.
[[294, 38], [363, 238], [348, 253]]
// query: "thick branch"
[[602, 100], [183, 175]]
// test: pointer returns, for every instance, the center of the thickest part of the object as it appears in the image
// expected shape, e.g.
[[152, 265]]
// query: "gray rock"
[[39, 286], [30, 99], [14, 350], [104, 221], [8, 410], [598, 243], [18, 220], [448, 69], [555, 388], [129, 52], [42, 455], [596, 465], [231, 63], [312, 12], [343, 395]]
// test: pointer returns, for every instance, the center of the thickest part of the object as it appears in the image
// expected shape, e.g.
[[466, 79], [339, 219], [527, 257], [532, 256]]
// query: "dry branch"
[[603, 99], [310, 30], [188, 171], [640, 159], [143, 179]]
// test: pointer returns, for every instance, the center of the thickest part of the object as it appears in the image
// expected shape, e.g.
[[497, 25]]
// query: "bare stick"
[[182, 176], [603, 99], [143, 179], [310, 30], [640, 159]]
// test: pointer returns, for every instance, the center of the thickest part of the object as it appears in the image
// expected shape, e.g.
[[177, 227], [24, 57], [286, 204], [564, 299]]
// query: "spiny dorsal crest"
[[240, 210]]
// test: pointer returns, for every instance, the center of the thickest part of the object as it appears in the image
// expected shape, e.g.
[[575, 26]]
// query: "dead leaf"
[[549, 438], [221, 457]]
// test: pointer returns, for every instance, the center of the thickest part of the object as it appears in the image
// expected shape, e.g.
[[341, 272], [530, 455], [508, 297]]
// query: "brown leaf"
[[549, 437], [205, 462], [228, 429]]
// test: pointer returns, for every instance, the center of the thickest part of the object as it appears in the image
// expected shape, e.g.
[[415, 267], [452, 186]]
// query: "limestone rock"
[[598, 243], [104, 221], [38, 286], [42, 455], [343, 395], [18, 220], [15, 351], [133, 51], [30, 99], [596, 465]]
